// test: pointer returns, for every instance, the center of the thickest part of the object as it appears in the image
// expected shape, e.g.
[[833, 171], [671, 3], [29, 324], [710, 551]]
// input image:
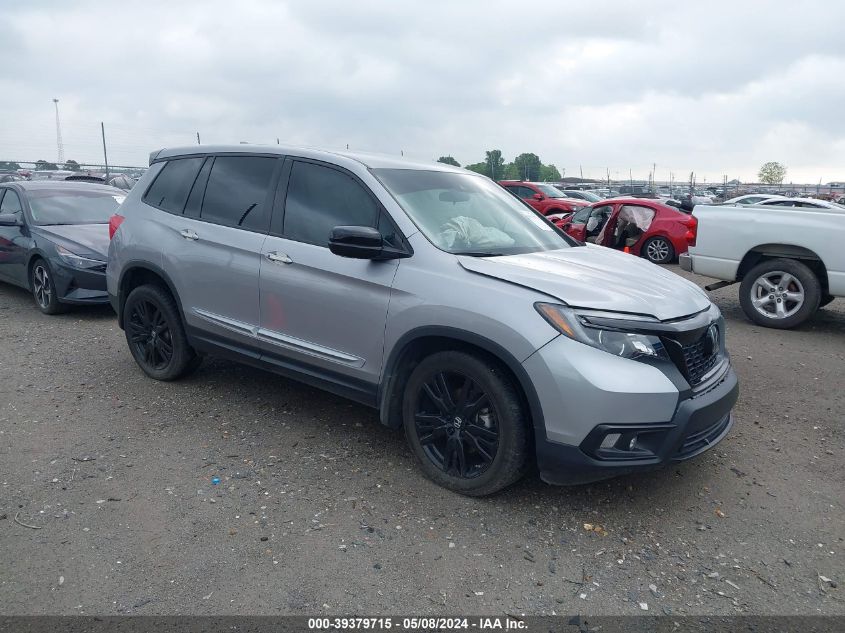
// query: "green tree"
[[772, 173], [43, 164], [448, 160], [478, 168], [528, 166], [9, 165], [511, 172], [71, 165], [548, 173], [495, 164]]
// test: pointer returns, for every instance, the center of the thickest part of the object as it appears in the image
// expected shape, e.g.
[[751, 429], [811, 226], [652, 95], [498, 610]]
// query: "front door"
[[319, 309], [14, 243]]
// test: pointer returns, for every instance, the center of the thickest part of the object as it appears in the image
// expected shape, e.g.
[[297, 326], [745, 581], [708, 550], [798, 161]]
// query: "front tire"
[[465, 423], [44, 289], [155, 334], [658, 250], [780, 293]]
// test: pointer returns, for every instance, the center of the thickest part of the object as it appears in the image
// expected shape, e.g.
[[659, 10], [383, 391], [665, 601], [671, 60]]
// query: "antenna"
[[59, 146]]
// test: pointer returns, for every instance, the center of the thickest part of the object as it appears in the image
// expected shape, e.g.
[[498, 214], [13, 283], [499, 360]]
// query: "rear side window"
[[236, 194], [170, 189], [321, 198]]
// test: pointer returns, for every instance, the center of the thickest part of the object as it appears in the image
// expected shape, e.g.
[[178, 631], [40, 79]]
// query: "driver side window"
[[11, 203], [581, 216]]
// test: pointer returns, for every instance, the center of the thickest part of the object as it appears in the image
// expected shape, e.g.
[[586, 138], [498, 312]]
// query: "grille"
[[699, 441], [700, 357]]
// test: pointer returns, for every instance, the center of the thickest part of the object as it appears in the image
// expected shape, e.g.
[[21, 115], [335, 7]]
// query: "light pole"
[[59, 146]]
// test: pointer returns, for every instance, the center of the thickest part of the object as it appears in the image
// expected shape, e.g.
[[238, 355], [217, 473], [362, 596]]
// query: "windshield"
[[63, 206], [551, 192], [587, 195], [469, 215]]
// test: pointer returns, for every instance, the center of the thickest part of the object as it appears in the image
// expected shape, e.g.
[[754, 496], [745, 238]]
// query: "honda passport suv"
[[430, 294]]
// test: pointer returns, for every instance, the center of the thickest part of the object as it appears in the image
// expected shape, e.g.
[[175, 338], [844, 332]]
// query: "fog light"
[[633, 443], [610, 440]]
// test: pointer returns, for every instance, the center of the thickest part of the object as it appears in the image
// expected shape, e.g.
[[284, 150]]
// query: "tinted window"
[[192, 207], [170, 189], [11, 202], [236, 194], [319, 199], [526, 193]]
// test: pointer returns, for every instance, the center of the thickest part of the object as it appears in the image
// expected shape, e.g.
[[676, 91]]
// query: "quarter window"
[[170, 189], [236, 194], [320, 198]]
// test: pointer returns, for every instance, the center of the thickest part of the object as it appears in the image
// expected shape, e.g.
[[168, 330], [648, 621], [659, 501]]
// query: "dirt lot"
[[320, 509]]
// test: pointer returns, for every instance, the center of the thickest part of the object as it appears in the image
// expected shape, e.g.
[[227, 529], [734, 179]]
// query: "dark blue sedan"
[[54, 240]]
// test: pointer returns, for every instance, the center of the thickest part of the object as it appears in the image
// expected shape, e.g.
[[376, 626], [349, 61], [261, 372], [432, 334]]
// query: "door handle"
[[188, 234], [280, 258]]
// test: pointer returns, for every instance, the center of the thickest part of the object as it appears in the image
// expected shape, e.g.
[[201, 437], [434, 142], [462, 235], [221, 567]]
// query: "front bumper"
[[700, 421], [685, 262], [79, 286]]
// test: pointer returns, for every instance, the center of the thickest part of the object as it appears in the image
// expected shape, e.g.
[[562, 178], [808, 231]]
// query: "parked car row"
[[425, 291]]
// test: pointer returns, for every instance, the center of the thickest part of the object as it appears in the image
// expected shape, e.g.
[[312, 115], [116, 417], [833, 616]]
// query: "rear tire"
[[465, 423], [44, 290], [658, 250], [155, 334], [780, 293]]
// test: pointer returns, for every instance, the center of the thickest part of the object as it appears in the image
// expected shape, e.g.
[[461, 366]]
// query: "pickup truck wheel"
[[780, 293], [658, 250], [465, 423]]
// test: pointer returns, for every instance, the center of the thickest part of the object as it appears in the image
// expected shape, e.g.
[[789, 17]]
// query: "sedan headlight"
[[612, 340], [77, 261]]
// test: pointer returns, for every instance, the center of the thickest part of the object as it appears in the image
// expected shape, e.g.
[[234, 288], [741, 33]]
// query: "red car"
[[545, 198], [648, 228]]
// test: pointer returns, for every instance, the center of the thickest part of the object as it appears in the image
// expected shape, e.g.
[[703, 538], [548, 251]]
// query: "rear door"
[[217, 240], [14, 243], [318, 309]]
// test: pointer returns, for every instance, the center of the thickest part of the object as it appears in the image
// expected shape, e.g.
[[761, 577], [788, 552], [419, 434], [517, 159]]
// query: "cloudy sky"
[[716, 87]]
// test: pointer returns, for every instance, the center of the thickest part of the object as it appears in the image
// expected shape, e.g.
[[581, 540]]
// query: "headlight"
[[613, 341], [72, 259]]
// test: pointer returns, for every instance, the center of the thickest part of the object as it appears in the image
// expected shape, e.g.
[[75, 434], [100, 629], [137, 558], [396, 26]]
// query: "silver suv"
[[429, 293]]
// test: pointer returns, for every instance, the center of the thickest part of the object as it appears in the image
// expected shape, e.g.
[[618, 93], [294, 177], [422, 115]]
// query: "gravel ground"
[[320, 509]]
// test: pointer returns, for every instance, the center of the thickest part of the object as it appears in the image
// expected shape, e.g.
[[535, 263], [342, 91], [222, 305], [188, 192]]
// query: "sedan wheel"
[[658, 250], [44, 290]]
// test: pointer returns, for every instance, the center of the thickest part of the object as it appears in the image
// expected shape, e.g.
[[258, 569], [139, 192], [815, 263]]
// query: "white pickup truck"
[[789, 261]]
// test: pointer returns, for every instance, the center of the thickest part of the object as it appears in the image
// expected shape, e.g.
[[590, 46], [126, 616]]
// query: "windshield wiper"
[[477, 253]]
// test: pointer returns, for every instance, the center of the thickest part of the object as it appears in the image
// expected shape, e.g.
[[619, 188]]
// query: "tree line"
[[526, 166]]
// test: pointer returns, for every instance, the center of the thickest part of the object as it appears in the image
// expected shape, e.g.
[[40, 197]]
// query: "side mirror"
[[358, 242], [538, 196], [10, 219]]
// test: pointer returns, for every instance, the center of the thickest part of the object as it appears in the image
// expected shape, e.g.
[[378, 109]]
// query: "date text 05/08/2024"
[[416, 623]]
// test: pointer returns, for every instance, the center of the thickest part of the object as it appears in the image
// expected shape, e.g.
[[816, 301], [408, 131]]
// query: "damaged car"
[[429, 293]]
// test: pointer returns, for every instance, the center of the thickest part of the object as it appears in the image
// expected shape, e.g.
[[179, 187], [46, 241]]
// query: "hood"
[[597, 278], [93, 238]]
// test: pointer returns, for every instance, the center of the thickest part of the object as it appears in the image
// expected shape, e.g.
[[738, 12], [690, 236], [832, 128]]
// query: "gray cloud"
[[616, 85]]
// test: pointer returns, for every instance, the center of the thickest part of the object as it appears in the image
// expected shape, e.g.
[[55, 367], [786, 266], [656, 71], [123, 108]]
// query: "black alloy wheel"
[[155, 334], [456, 425], [149, 335], [466, 423]]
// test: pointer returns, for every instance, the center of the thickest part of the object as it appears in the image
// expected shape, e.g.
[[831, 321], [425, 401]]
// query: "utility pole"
[[631, 179], [59, 145], [198, 139], [581, 169], [105, 155]]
